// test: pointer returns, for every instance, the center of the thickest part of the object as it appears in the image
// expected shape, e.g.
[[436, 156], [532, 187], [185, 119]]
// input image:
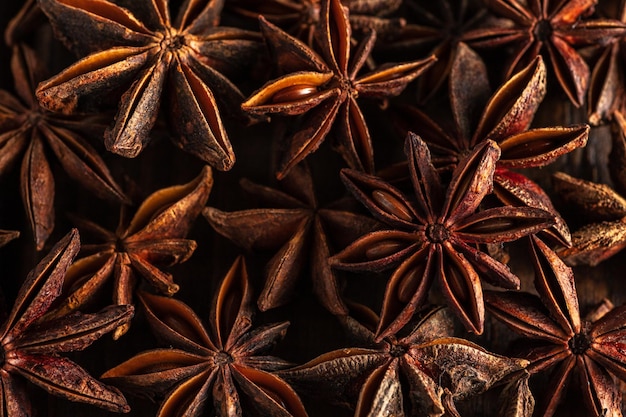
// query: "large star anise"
[[420, 374], [27, 129], [324, 88], [153, 238], [588, 350], [225, 362], [30, 346], [553, 27], [435, 233], [144, 51], [305, 231]]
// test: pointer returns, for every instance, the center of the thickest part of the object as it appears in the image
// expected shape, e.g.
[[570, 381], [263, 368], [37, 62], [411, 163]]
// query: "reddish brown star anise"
[[225, 362], [154, 237], [301, 228], [144, 51], [30, 346], [554, 27], [324, 88], [588, 350], [420, 374], [27, 129], [434, 235]]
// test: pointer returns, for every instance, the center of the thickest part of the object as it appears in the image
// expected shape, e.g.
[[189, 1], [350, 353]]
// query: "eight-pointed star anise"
[[305, 231], [587, 350], [324, 88], [434, 235], [30, 346], [27, 129], [420, 374], [225, 362], [153, 238], [144, 51]]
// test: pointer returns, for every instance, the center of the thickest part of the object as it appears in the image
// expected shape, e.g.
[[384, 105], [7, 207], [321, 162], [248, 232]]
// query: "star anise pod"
[[435, 233], [552, 27], [30, 346], [27, 18], [588, 350], [153, 238], [324, 88], [420, 374], [146, 53], [30, 131], [304, 232], [225, 362]]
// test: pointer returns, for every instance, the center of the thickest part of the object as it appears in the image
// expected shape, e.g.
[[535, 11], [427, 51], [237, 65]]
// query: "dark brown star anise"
[[30, 346], [420, 374], [144, 51], [27, 129], [324, 88], [225, 362], [434, 235], [305, 231], [589, 350], [153, 238], [553, 27]]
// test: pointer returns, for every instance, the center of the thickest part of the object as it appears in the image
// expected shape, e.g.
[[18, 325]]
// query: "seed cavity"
[[392, 205], [294, 93]]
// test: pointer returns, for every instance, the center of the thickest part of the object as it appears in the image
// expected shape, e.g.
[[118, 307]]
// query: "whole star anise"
[[153, 238], [29, 131], [434, 234], [225, 362], [30, 346], [420, 374], [588, 350], [146, 53], [324, 88], [305, 231]]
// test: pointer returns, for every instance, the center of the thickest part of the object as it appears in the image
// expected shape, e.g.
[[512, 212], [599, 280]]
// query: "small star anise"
[[420, 374], [227, 361], [30, 346], [302, 229], [434, 235], [154, 237], [590, 350], [143, 52], [553, 27], [324, 88], [27, 129]]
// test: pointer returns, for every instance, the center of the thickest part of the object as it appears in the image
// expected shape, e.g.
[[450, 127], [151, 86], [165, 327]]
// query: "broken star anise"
[[324, 87], [153, 238], [146, 53], [420, 374], [434, 235], [225, 362], [588, 350], [30, 346]]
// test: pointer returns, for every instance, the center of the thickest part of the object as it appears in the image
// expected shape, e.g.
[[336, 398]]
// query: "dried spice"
[[227, 361], [147, 53], [587, 350], [27, 129], [153, 238], [518, 400], [324, 88], [435, 235], [420, 374], [31, 346]]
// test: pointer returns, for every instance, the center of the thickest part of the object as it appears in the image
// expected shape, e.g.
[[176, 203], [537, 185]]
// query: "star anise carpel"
[[225, 361], [434, 235], [323, 86], [32, 133], [30, 345], [585, 349], [147, 53], [154, 238]]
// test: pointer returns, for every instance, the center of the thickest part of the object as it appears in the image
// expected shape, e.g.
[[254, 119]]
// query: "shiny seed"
[[383, 249], [294, 93], [392, 205], [409, 283]]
